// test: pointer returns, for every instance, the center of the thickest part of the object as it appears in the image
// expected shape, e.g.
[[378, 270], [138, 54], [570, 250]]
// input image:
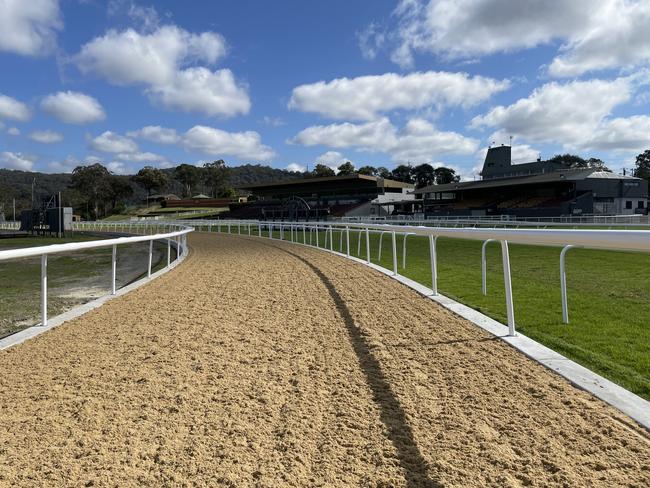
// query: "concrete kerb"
[[624, 400], [36, 330]]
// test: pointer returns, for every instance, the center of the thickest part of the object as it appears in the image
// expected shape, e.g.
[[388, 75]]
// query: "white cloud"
[[141, 157], [595, 35], [216, 142], [65, 166], [622, 134], [365, 97], [331, 159], [559, 113], [203, 91], [46, 136], [11, 160], [118, 168], [28, 27], [418, 141], [273, 121], [110, 142], [156, 133], [73, 107], [128, 57], [159, 60], [296, 167], [371, 40], [10, 108], [13, 131]]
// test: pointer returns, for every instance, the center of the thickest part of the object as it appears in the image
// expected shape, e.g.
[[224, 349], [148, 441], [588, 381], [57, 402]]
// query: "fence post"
[[367, 245], [317, 236], [169, 252], [484, 266], [331, 239], [114, 268], [44, 289], [433, 255], [565, 305], [150, 258], [406, 234], [508, 286], [259, 229], [359, 243], [347, 239], [394, 243]]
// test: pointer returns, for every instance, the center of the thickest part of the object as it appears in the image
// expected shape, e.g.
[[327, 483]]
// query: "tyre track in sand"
[[261, 363]]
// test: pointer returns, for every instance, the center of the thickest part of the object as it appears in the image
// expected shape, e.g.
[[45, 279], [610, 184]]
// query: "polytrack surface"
[[261, 363]]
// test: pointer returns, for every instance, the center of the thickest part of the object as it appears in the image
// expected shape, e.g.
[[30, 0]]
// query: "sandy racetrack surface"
[[260, 363]]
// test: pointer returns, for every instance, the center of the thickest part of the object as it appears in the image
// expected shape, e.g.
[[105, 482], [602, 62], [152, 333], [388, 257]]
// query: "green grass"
[[609, 303]]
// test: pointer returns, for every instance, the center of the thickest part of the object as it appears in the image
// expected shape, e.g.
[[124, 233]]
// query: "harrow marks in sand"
[[258, 363]]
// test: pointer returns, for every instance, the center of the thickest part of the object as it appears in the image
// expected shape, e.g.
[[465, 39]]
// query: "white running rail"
[[301, 233], [175, 232]]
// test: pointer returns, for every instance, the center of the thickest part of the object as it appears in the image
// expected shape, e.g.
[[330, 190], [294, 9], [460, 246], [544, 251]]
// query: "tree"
[[346, 168], [216, 176], [423, 175], [642, 165], [189, 176], [151, 179], [368, 170], [322, 170], [93, 184], [120, 189], [384, 173], [403, 173], [444, 176]]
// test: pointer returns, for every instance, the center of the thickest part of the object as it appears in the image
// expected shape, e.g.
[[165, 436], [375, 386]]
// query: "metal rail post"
[[508, 286], [331, 239], [44, 289], [484, 266], [404, 250], [304, 234], [359, 243], [394, 243], [259, 229], [150, 258], [565, 305], [367, 245], [347, 239], [433, 256], [340, 241], [169, 252], [114, 268]]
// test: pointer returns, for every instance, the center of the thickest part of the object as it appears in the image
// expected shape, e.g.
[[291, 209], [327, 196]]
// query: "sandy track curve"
[[259, 363]]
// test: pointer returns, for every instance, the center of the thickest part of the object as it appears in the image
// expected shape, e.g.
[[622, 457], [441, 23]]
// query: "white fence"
[[176, 233], [307, 233]]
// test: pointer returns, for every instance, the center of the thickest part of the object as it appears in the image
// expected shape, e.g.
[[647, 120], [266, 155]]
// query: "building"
[[320, 198], [536, 189]]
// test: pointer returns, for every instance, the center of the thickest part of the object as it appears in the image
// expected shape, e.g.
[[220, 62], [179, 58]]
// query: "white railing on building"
[[176, 234], [618, 240]]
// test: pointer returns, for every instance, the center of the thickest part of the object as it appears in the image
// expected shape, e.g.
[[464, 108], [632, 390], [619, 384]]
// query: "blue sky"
[[292, 83]]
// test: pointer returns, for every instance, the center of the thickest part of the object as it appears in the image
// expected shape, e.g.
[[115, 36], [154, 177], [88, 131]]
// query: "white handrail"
[[44, 251]]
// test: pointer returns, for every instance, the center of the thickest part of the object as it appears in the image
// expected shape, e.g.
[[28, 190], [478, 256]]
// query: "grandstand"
[[320, 198], [537, 189]]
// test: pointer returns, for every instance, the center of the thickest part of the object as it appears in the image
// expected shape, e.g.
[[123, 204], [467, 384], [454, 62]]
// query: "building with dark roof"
[[317, 198], [540, 188]]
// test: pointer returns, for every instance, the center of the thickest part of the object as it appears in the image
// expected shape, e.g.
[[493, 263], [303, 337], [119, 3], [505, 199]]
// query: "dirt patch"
[[258, 363]]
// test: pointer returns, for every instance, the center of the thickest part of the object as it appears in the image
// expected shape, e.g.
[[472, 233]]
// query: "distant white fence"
[[176, 233], [308, 233]]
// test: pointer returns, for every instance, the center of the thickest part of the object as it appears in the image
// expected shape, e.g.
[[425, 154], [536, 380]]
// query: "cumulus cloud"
[[156, 133], [371, 40], [141, 157], [200, 90], [595, 35], [296, 167], [331, 159], [29, 27], [216, 142], [417, 141], [73, 107], [13, 131], [365, 97], [46, 136], [10, 108], [110, 142], [621, 134], [12, 160], [160, 61]]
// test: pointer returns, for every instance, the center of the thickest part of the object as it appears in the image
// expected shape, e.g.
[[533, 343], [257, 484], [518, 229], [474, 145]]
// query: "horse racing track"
[[262, 363]]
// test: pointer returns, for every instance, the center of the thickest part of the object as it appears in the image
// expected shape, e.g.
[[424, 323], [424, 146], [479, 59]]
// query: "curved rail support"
[[381, 238], [404, 248], [367, 245], [565, 305], [484, 266]]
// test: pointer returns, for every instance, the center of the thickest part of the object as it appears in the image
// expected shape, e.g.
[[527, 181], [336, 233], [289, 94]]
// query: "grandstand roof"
[[329, 179], [554, 177]]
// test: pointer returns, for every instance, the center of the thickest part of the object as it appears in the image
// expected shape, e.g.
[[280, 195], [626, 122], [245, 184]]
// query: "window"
[[628, 204], [641, 204]]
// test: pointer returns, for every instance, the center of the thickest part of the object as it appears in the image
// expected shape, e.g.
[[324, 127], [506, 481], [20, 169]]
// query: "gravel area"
[[261, 363]]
